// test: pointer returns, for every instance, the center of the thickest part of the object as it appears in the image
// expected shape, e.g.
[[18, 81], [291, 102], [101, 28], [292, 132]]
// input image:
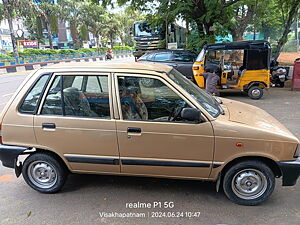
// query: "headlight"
[[297, 153]]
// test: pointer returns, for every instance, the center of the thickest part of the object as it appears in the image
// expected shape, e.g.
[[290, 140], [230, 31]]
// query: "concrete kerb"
[[33, 66]]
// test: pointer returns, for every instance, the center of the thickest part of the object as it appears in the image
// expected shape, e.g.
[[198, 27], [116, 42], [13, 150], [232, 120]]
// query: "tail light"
[[1, 135], [195, 67], [138, 61]]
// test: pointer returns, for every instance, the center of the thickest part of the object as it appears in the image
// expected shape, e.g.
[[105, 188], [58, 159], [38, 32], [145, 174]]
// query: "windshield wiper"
[[219, 102]]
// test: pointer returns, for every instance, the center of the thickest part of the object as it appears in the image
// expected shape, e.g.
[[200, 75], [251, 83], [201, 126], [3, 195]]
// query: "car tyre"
[[255, 92], [44, 172], [281, 84], [249, 183]]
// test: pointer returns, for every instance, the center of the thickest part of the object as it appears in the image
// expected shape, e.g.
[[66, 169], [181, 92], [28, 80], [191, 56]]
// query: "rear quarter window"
[[31, 99], [146, 56]]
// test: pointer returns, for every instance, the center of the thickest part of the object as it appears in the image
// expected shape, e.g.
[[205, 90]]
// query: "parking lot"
[[85, 197]]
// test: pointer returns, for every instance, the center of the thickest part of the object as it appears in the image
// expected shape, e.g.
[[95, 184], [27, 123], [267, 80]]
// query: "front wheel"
[[44, 172], [249, 183], [255, 92]]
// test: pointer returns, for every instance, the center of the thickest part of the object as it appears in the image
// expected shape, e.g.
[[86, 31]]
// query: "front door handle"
[[51, 126], [134, 130]]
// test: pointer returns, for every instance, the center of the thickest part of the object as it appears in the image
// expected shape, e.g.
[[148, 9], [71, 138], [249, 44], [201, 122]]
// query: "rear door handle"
[[51, 126], [134, 130]]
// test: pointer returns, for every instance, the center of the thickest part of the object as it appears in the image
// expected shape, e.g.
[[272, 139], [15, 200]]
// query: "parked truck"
[[152, 37]]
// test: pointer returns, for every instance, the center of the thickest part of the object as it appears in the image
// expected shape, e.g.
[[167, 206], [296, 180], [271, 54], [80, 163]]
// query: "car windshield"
[[207, 101], [144, 29]]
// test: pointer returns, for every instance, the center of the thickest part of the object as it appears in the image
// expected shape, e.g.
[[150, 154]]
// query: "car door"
[[184, 63], [75, 120], [150, 143]]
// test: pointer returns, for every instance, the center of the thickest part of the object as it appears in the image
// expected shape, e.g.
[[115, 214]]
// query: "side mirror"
[[191, 114]]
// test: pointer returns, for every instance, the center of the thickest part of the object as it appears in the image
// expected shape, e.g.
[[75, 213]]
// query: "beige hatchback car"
[[105, 119]]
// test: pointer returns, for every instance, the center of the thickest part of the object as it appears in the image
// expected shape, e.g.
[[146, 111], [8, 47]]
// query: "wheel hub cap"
[[256, 93], [249, 184], [42, 174]]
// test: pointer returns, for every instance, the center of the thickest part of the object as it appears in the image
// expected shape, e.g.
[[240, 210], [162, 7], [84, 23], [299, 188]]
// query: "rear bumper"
[[290, 171], [9, 155]]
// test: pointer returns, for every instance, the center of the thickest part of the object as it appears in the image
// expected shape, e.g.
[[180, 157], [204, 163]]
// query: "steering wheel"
[[176, 110]]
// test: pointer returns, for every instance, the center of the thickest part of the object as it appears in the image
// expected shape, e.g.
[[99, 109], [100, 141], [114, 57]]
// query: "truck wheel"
[[44, 172], [249, 183], [255, 92]]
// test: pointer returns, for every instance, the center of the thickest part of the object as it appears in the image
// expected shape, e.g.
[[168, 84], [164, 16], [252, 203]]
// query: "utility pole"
[[297, 31], [8, 6], [167, 35]]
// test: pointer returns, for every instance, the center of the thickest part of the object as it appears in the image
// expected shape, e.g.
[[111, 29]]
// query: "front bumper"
[[9, 155], [290, 171]]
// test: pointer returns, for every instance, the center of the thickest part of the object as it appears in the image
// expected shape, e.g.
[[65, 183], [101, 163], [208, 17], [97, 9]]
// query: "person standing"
[[211, 79]]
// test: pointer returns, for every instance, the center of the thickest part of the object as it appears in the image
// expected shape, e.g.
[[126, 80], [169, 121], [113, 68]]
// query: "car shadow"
[[233, 93], [77, 182]]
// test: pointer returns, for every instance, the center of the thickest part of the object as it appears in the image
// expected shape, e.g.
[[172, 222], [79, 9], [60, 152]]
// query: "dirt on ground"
[[288, 58]]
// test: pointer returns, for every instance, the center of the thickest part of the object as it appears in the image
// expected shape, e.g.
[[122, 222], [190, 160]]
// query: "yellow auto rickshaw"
[[244, 65]]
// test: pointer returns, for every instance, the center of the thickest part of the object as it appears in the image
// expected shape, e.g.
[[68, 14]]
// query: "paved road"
[[85, 196], [8, 85]]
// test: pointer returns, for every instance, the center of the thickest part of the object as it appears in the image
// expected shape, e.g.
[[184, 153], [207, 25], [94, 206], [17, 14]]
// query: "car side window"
[[30, 102], [166, 56], [149, 99], [184, 57], [53, 104], [82, 96]]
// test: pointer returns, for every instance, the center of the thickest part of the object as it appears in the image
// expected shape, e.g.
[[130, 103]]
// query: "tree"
[[48, 11], [127, 19], [112, 28], [289, 9], [205, 13], [34, 27], [96, 25], [39, 14], [243, 13], [8, 10], [71, 11]]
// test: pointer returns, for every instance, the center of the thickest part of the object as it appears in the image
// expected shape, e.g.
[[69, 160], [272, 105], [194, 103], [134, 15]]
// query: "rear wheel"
[[281, 84], [249, 183], [44, 172], [255, 92]]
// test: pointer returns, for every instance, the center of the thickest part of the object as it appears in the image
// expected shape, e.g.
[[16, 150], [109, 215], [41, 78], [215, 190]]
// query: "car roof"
[[255, 44], [168, 50], [111, 66]]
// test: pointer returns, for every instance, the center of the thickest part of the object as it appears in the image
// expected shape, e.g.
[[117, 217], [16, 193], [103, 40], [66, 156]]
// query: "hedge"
[[31, 52]]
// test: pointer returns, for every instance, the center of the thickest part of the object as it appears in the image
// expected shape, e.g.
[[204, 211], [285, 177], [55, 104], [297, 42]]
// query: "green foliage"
[[10, 54], [83, 32], [3, 56], [35, 52], [87, 50], [102, 49], [196, 42], [162, 43], [1, 12], [66, 51], [119, 48], [54, 23]]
